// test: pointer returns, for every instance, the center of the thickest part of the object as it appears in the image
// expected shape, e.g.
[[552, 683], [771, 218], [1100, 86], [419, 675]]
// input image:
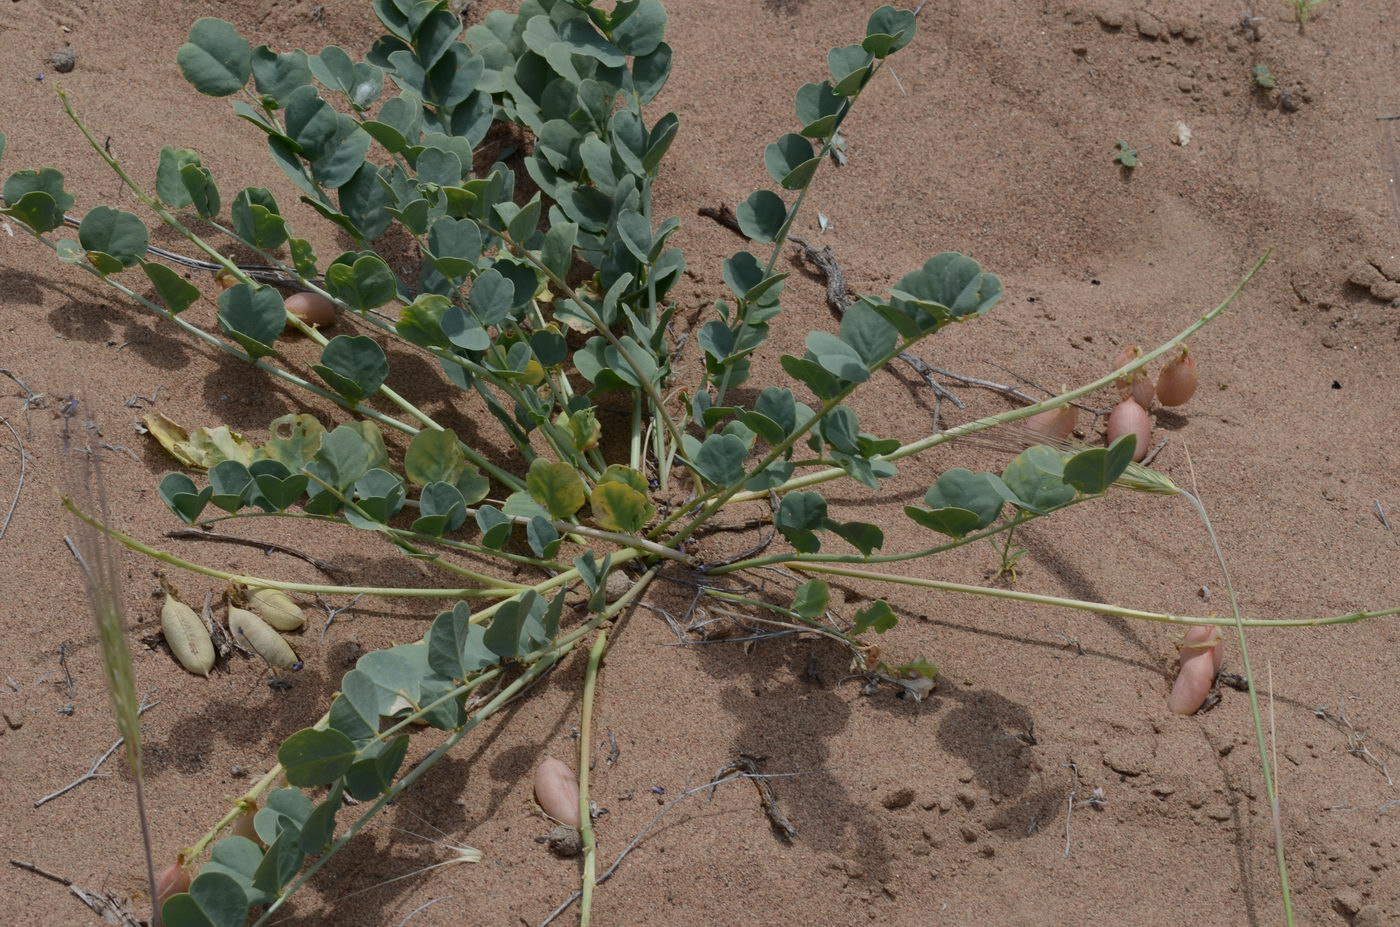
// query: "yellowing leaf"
[[556, 487], [201, 448], [619, 507]]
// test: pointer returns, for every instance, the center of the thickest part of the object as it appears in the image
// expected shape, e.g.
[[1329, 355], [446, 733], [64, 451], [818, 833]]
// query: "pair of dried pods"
[[193, 647]]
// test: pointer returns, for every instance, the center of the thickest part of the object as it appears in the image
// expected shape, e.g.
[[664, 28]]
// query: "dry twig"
[[92, 772], [196, 534]]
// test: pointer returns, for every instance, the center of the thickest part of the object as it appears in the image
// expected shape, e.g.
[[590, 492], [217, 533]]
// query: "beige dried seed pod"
[[252, 632], [187, 637], [277, 609]]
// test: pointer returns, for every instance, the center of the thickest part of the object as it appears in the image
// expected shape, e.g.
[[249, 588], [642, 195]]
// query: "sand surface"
[[996, 141]]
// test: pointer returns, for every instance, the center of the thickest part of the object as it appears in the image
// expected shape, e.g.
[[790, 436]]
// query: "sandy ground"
[[996, 140]]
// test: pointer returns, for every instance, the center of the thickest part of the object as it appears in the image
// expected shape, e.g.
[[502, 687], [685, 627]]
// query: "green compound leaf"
[[1037, 479], [170, 185], [865, 330], [37, 210], [176, 292], [556, 486], [888, 30], [878, 615], [216, 60], [238, 858], [215, 899], [791, 161], [277, 75], [380, 495], [421, 321], [277, 488], [863, 536], [649, 72], [836, 357], [231, 483], [370, 777], [762, 215], [1096, 469], [954, 522], [850, 68], [37, 198], [253, 317], [721, 459], [345, 456], [183, 498], [980, 493], [441, 508], [495, 526], [798, 518], [281, 861], [311, 757], [366, 284], [619, 507], [319, 829], [952, 281], [818, 109], [204, 194], [257, 220], [811, 598], [822, 384], [454, 246], [353, 365], [114, 233], [659, 141]]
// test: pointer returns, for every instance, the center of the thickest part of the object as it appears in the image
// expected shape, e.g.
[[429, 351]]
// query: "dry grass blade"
[[98, 561]]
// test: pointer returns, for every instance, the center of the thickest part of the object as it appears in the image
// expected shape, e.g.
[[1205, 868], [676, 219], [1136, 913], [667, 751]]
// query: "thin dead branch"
[[198, 534]]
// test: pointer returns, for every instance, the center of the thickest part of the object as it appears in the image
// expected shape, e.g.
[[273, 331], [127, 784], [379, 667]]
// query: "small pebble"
[[63, 60], [565, 842], [896, 800]]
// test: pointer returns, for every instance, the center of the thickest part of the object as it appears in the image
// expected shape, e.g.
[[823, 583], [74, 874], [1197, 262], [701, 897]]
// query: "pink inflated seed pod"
[[1130, 418]]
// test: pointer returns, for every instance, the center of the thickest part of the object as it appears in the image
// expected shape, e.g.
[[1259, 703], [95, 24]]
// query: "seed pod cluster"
[[1176, 383], [252, 632], [186, 635]]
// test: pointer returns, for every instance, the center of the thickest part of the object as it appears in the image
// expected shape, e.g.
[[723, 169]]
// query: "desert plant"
[[1303, 9], [534, 308]]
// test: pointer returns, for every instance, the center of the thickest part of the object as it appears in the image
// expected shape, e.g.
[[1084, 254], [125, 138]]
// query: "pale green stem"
[[585, 814], [1010, 524], [1100, 607], [465, 546], [991, 421], [542, 660], [261, 582], [647, 385]]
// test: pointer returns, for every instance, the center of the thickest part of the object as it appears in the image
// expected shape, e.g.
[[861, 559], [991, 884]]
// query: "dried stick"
[[195, 534], [724, 216], [23, 469], [839, 300], [93, 773]]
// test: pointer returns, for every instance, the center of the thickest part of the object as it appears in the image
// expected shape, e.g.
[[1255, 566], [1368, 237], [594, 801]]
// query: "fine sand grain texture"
[[992, 135]]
